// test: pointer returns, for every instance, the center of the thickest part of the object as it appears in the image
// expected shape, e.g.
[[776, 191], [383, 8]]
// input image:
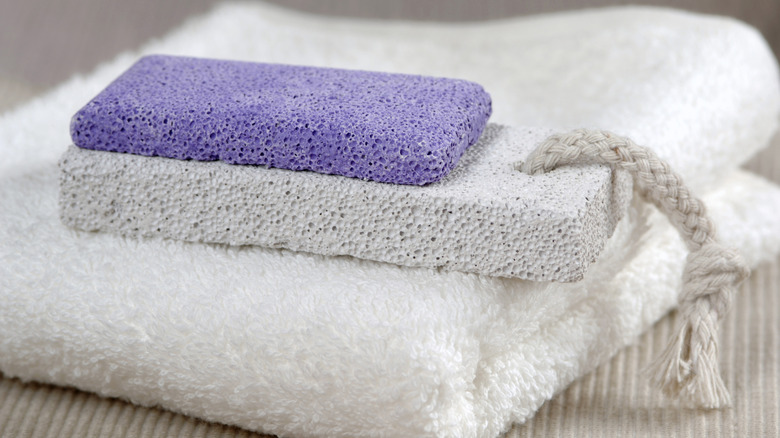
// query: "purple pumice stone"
[[394, 128]]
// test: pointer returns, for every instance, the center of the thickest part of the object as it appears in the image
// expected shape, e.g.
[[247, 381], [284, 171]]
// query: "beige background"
[[44, 42]]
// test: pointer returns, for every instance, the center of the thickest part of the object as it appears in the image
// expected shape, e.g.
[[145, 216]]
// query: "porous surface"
[[484, 217], [404, 129]]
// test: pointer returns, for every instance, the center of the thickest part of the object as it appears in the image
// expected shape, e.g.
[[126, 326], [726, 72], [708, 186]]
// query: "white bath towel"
[[668, 79], [302, 345]]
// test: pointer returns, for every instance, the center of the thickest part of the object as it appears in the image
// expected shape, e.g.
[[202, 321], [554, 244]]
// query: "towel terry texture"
[[304, 345]]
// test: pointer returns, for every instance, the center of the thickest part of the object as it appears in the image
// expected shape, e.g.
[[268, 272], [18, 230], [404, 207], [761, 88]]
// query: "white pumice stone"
[[484, 217]]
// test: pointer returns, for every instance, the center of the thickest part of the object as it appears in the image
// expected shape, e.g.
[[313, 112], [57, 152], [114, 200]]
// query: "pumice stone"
[[393, 128], [484, 217]]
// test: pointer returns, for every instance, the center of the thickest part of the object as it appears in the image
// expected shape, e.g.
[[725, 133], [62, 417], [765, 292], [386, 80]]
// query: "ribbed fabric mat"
[[613, 401]]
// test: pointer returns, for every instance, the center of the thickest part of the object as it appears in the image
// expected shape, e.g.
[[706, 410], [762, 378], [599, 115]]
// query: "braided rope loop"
[[688, 367]]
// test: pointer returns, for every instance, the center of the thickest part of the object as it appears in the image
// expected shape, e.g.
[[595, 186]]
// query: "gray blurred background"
[[43, 42]]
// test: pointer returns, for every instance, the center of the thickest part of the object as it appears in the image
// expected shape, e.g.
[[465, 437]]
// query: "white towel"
[[672, 80], [304, 345]]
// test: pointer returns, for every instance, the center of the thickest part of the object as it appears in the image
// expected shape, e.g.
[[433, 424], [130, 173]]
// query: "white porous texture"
[[484, 217]]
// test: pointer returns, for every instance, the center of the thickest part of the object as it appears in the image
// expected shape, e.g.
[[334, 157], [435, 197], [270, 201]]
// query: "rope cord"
[[688, 367]]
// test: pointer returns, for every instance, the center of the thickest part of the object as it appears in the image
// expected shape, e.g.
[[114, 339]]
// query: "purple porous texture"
[[394, 128]]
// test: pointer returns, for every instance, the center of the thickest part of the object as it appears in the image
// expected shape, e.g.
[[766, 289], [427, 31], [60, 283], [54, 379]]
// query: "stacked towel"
[[305, 345]]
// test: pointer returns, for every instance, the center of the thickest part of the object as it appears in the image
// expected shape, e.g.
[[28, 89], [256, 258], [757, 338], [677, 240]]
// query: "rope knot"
[[688, 367], [710, 270]]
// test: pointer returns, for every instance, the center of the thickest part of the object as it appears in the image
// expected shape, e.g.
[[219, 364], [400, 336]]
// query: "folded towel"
[[298, 344], [306, 345], [668, 79]]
